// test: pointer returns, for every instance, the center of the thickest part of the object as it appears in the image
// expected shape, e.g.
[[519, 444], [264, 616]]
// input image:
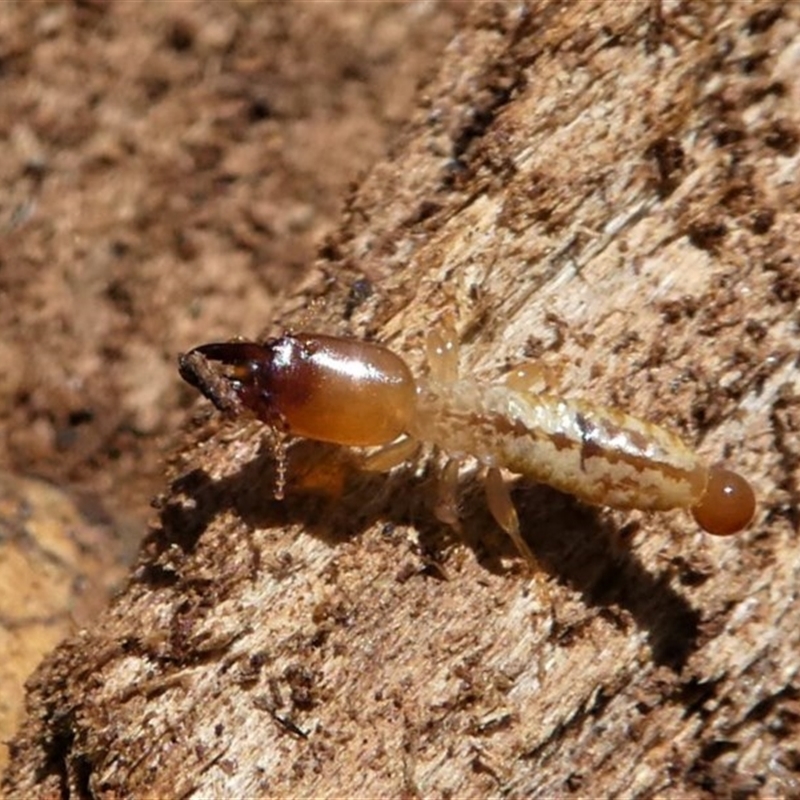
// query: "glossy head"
[[320, 387], [728, 504]]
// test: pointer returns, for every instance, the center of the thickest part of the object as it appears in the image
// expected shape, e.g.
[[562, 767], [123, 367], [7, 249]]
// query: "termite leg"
[[533, 378], [446, 509], [498, 498], [441, 347], [391, 455]]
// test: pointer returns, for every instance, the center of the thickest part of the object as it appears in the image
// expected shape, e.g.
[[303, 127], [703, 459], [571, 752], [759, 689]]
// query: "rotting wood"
[[601, 187]]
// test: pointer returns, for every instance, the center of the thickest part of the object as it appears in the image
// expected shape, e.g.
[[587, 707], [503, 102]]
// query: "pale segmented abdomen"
[[602, 456]]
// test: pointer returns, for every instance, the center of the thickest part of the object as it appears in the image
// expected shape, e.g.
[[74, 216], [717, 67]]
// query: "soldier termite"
[[352, 392]]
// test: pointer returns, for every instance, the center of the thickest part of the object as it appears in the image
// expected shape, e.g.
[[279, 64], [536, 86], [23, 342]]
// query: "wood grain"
[[609, 188]]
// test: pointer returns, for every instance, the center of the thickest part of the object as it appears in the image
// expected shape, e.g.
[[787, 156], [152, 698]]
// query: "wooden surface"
[[605, 188]]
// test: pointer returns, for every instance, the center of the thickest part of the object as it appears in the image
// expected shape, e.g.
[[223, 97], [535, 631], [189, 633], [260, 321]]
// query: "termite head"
[[320, 387], [236, 377], [728, 504]]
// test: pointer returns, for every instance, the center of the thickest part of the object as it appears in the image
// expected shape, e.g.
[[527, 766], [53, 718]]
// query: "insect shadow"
[[576, 545]]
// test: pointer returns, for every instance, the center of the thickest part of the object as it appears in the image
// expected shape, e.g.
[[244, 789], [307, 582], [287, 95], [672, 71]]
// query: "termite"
[[352, 392]]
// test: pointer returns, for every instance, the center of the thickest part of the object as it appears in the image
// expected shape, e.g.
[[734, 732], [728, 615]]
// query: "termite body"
[[352, 392]]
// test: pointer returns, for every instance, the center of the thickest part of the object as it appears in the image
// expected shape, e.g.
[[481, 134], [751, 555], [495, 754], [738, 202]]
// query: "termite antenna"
[[279, 453], [728, 504]]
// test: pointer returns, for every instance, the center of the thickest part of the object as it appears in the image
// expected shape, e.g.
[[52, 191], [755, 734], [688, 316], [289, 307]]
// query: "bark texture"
[[609, 188]]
